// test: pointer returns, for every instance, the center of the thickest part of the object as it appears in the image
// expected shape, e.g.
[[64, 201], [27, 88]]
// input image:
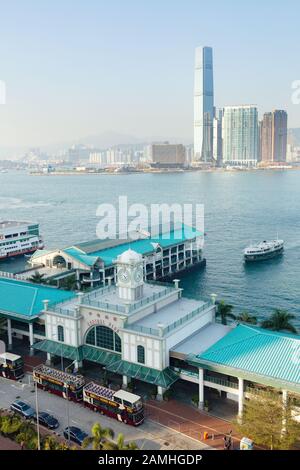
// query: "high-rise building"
[[203, 105], [217, 137], [266, 137], [240, 135], [274, 137], [279, 135]]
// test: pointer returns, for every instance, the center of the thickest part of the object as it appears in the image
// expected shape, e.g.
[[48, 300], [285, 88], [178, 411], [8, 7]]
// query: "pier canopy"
[[24, 300], [267, 357]]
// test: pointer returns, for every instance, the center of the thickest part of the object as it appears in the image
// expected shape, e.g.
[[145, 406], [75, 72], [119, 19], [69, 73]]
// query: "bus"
[[68, 386], [121, 405], [11, 366]]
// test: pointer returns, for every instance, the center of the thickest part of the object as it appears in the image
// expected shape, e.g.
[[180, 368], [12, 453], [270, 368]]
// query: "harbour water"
[[239, 207]]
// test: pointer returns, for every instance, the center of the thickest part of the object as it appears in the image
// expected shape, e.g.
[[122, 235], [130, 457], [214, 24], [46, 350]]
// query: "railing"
[[62, 311], [18, 277], [145, 329], [185, 372], [222, 382], [186, 318], [122, 308]]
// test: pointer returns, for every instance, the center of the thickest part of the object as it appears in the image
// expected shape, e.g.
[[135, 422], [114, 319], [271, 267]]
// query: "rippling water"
[[239, 207]]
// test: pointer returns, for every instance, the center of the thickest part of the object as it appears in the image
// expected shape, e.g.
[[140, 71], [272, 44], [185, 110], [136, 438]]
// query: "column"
[[160, 393], [48, 362], [241, 398], [31, 340], [285, 399], [201, 389], [9, 333], [126, 381], [77, 365]]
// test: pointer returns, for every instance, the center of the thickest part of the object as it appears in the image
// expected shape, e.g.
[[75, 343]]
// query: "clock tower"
[[130, 276]]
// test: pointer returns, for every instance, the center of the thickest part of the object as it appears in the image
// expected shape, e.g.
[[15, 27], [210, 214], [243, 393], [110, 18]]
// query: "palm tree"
[[119, 444], [28, 435], [224, 312], [10, 424], [280, 320], [99, 436], [245, 317], [37, 278]]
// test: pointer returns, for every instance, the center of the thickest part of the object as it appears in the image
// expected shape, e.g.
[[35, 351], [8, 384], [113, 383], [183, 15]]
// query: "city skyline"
[[99, 86]]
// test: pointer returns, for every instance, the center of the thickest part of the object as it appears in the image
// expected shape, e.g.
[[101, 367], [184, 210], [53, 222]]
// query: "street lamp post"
[[37, 417], [68, 407]]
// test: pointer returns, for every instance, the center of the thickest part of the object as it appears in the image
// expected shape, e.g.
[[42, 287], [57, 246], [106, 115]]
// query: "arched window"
[[104, 337], [60, 333], [141, 354]]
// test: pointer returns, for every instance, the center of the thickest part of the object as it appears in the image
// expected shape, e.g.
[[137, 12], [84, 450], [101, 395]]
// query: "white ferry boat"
[[264, 250], [19, 238]]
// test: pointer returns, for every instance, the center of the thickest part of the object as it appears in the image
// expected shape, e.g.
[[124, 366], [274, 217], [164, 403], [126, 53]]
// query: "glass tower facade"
[[203, 105], [240, 135]]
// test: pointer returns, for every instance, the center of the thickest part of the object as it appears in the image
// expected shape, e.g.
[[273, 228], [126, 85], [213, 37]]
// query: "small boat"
[[263, 250]]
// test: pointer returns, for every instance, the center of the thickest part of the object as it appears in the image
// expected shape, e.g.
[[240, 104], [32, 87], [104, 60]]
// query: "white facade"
[[203, 105]]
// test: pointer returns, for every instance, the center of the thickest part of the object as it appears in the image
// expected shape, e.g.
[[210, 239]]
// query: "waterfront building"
[[165, 254], [274, 137], [240, 135], [279, 135], [151, 333], [267, 138], [203, 105], [167, 155], [217, 137]]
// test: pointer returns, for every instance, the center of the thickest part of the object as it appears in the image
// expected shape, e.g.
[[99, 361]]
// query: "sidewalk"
[[192, 422], [7, 444]]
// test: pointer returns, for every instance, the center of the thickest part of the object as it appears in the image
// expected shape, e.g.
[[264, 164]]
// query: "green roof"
[[145, 246], [164, 378], [88, 260], [26, 299], [256, 351], [112, 362]]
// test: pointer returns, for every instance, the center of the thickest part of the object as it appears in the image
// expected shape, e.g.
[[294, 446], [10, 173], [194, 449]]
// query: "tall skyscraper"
[[203, 105], [279, 135], [240, 135], [266, 137], [217, 137], [274, 137]]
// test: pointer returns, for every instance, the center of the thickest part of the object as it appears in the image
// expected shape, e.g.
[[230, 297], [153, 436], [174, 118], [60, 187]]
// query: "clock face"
[[123, 275], [138, 275]]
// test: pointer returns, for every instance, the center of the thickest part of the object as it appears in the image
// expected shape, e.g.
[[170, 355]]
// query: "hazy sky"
[[78, 67]]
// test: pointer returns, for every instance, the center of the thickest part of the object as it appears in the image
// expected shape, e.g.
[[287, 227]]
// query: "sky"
[[84, 67]]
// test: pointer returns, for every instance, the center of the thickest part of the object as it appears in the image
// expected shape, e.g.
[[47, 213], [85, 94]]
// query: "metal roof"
[[257, 351], [26, 299]]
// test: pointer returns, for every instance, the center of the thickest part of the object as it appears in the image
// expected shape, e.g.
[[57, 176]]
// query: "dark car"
[[23, 409], [76, 434], [48, 421]]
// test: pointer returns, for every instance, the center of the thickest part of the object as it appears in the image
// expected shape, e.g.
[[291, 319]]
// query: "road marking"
[[2, 391], [75, 422], [49, 411]]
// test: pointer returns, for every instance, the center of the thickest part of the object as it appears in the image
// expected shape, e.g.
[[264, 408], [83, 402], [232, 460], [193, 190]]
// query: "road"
[[148, 436]]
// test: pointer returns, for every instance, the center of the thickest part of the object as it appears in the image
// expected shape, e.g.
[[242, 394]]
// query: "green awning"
[[99, 355], [111, 361], [164, 378], [59, 349]]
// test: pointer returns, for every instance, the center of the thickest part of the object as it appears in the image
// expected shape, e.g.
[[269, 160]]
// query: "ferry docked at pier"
[[264, 250], [19, 238]]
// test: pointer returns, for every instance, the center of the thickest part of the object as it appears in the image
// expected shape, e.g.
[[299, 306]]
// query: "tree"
[[268, 422], [37, 278], [28, 435], [10, 424], [119, 444], [245, 317], [280, 320], [224, 311], [99, 436]]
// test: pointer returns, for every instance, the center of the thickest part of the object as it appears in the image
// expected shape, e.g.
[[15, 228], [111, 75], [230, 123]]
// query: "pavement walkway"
[[192, 422]]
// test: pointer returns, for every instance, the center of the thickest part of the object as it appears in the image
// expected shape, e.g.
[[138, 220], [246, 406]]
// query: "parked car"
[[76, 434], [23, 409], [48, 420]]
